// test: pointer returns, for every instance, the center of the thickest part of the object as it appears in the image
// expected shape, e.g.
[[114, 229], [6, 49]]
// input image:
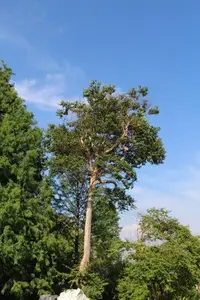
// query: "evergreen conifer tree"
[[30, 243]]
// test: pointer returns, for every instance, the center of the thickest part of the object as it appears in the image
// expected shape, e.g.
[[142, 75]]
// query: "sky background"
[[56, 47]]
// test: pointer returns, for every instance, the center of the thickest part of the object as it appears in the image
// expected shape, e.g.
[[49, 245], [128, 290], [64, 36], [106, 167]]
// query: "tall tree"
[[30, 255], [110, 136]]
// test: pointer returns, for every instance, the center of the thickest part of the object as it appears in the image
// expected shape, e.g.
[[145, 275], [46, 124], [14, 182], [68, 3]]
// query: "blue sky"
[[56, 48]]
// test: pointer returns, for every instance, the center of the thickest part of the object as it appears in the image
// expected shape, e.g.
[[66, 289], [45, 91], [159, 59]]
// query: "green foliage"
[[31, 258], [164, 263], [69, 199], [106, 259], [91, 283], [109, 133], [100, 280], [107, 138]]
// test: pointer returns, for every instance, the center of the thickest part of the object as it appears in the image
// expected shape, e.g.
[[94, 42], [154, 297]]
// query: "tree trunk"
[[77, 233], [88, 228]]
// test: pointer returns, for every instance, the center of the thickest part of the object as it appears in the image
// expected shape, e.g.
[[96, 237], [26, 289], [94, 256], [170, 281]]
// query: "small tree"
[[70, 192], [109, 137], [164, 263]]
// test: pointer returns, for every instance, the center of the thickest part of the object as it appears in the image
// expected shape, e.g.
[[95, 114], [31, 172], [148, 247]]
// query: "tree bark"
[[76, 240], [88, 228]]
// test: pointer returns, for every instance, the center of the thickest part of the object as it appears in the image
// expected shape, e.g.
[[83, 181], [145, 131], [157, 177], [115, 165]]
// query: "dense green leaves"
[[30, 255], [109, 131], [164, 263]]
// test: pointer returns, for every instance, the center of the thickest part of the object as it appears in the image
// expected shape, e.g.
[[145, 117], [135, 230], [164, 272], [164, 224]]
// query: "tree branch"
[[112, 148], [87, 150], [125, 132], [107, 182]]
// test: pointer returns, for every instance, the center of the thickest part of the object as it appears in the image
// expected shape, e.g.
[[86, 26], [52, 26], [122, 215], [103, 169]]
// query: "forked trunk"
[[88, 229]]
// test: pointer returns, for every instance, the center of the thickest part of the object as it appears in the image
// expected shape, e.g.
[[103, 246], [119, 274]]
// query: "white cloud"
[[46, 96], [55, 87]]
